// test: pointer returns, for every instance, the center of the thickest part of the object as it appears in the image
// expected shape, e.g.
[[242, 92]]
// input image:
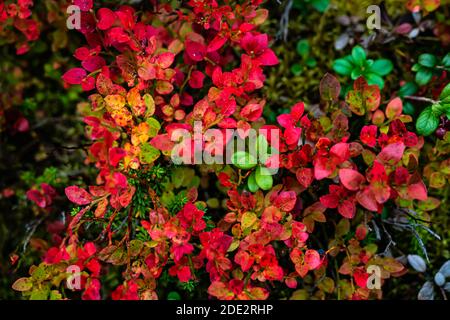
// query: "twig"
[[31, 231], [443, 293], [423, 99], [377, 230], [391, 241], [284, 22]]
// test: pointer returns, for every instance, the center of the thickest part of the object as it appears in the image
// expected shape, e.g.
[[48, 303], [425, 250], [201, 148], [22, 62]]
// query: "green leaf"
[[343, 227], [173, 295], [55, 295], [343, 67], [446, 60], [423, 76], [135, 247], [429, 204], [427, 60], [368, 63], [382, 67], [113, 254], [373, 78], [251, 183], [263, 178], [438, 109], [39, 294], [296, 69], [154, 125], [149, 154], [149, 104], [408, 89], [320, 5], [262, 148], [427, 122], [445, 94], [243, 160], [416, 67], [311, 62], [356, 73], [408, 108], [303, 48], [41, 273], [359, 55]]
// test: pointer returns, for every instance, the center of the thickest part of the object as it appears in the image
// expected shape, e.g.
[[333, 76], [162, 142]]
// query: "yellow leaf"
[[140, 134], [248, 219], [149, 104], [115, 102]]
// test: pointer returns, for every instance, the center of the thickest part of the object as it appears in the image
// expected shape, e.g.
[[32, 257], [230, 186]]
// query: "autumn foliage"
[[146, 219]]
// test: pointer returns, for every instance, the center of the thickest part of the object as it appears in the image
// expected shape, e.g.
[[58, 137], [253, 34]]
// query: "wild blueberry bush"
[[346, 198]]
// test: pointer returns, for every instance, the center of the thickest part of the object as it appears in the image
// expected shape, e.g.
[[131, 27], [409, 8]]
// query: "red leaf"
[[164, 87], [268, 58], [78, 195], [351, 179], [379, 182], [297, 111], [361, 232], [164, 60], [22, 125], [312, 259], [392, 153], [252, 112], [366, 198], [37, 197], [329, 88], [291, 282], [285, 120], [195, 50], [88, 84], [115, 155], [184, 274], [286, 200], [162, 142], [330, 201], [347, 209], [394, 108], [361, 277], [305, 176], [368, 135], [74, 76], [196, 80], [82, 53], [85, 5], [106, 18], [117, 34], [219, 290], [93, 63], [418, 191], [216, 43], [291, 135], [243, 259], [363, 98], [323, 168], [341, 150], [92, 291]]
